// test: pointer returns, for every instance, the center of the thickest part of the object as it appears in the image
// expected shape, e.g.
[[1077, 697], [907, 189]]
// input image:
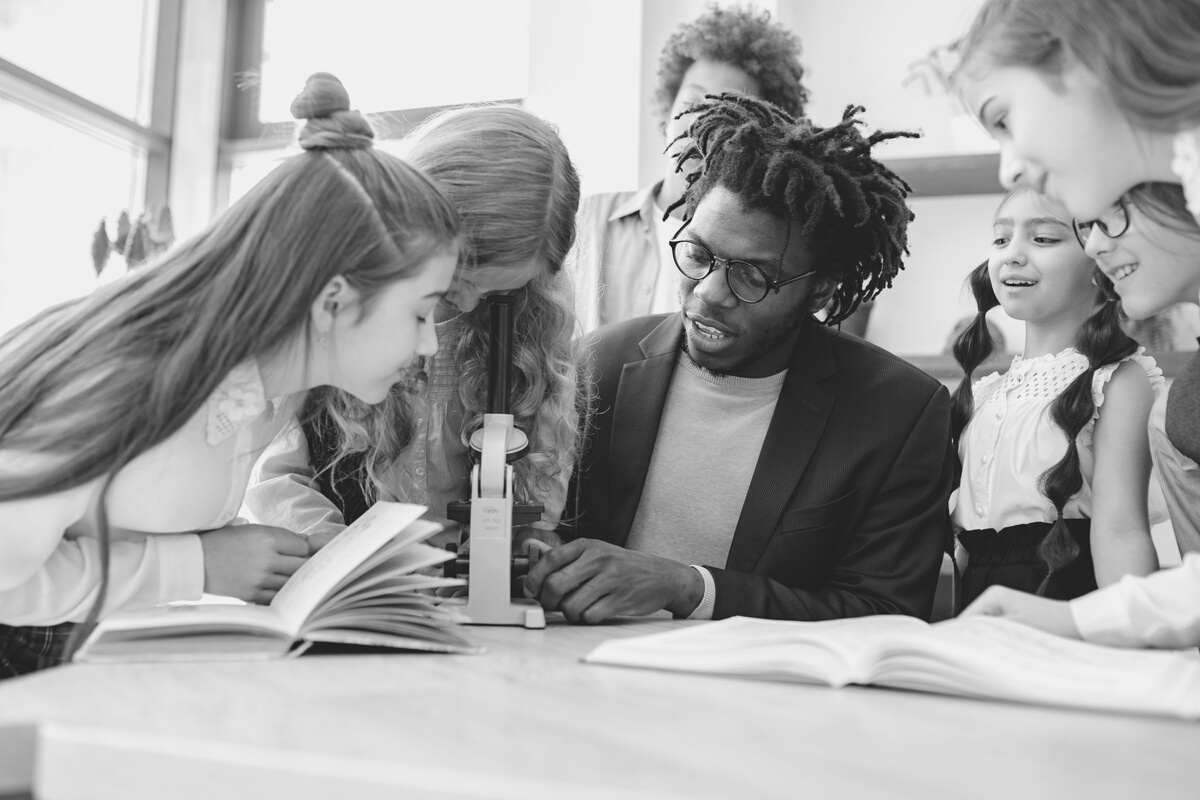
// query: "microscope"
[[491, 511]]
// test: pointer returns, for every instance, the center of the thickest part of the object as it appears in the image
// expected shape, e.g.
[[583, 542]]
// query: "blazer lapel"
[[796, 427], [637, 412]]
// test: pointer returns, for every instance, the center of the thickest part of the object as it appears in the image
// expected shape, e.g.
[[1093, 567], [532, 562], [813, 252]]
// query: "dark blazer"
[[846, 513]]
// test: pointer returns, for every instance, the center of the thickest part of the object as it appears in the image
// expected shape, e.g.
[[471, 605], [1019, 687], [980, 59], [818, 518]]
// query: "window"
[[77, 139], [400, 61]]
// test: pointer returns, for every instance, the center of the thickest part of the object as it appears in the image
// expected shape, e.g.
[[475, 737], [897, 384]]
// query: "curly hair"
[[1100, 339], [512, 181], [744, 38], [849, 208]]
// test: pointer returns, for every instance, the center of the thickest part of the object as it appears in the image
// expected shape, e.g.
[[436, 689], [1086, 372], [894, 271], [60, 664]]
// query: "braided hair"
[[849, 208], [1101, 340]]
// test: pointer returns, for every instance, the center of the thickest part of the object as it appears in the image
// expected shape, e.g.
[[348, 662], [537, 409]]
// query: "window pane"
[[396, 54], [103, 51], [55, 185]]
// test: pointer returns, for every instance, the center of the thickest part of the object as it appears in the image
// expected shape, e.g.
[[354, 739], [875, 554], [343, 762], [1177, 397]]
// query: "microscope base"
[[524, 614]]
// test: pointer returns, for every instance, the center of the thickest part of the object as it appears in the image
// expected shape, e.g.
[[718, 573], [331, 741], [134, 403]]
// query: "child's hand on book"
[[251, 562], [1052, 616]]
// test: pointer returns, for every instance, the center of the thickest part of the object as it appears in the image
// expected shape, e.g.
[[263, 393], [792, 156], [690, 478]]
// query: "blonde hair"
[[1143, 51], [509, 176]]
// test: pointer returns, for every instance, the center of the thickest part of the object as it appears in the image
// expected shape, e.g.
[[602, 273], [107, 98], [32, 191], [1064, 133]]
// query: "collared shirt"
[[616, 261], [1186, 165], [192, 481]]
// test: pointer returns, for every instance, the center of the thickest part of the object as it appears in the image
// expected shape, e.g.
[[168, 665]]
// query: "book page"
[[998, 658], [333, 562], [834, 652]]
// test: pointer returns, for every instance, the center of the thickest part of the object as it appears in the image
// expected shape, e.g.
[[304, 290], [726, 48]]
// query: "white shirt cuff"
[[181, 559], [705, 609], [1102, 616]]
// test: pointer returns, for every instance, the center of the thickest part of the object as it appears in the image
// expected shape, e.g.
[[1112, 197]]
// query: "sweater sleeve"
[[48, 576], [1157, 610]]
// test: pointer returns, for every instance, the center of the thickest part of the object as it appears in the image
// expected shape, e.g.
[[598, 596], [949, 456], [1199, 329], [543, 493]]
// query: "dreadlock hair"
[[743, 37], [848, 207], [1101, 340]]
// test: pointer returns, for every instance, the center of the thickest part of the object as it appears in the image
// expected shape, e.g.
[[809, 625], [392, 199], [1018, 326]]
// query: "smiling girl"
[[1053, 497], [1088, 98]]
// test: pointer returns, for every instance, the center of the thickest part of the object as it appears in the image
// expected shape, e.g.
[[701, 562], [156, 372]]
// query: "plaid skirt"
[[30, 648]]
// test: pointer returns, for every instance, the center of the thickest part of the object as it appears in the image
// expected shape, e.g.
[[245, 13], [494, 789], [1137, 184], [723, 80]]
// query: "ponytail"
[[1102, 341], [972, 347]]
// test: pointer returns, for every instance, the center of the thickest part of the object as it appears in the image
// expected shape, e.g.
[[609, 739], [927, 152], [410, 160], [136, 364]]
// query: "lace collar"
[[1066, 355], [238, 401]]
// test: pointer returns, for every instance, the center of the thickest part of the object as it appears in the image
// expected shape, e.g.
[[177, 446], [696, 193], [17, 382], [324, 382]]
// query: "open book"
[[983, 657], [362, 588]]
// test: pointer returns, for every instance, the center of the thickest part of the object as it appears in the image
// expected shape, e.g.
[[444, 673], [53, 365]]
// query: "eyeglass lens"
[[745, 280]]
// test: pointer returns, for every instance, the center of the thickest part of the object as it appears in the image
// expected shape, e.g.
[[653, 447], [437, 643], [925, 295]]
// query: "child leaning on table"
[[130, 418]]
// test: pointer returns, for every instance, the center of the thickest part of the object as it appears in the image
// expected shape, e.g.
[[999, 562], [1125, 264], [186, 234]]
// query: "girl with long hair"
[[1053, 496], [1088, 98], [509, 176], [1149, 246], [130, 418]]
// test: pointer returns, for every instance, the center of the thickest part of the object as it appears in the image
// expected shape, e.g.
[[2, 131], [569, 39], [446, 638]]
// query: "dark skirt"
[[31, 648], [1010, 558]]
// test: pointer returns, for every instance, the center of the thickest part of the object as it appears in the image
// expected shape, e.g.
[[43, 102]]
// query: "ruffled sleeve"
[[1104, 374]]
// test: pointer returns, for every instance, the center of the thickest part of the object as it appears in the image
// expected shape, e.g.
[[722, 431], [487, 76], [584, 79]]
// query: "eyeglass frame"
[[1075, 224], [714, 259]]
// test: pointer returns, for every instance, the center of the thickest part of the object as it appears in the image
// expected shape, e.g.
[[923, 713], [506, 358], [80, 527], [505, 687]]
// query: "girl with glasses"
[[1053, 497], [1091, 98]]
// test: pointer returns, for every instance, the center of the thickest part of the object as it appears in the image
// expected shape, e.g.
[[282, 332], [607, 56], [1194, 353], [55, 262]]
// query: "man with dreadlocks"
[[804, 472]]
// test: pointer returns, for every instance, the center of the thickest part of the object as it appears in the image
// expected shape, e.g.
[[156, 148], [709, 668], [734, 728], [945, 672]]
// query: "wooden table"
[[527, 720]]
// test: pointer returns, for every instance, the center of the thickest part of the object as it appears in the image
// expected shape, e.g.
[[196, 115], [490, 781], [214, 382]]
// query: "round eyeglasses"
[[1114, 223], [747, 282]]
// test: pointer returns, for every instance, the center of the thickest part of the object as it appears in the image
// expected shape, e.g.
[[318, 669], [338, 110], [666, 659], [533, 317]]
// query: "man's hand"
[[250, 562], [1052, 616], [591, 581]]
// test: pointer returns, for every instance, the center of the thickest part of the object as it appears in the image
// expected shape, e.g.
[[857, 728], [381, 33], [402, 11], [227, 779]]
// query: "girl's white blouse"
[[1011, 440], [191, 482]]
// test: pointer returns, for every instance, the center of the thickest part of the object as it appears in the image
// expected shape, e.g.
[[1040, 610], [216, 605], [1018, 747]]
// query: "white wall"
[[584, 73]]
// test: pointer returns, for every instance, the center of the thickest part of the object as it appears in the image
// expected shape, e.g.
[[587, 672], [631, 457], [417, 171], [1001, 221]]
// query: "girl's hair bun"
[[325, 104], [322, 96]]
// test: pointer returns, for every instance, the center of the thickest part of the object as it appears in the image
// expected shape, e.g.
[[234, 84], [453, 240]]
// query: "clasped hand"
[[591, 581]]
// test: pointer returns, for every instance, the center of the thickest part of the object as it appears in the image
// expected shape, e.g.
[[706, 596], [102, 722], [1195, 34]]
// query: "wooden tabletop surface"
[[528, 720]]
